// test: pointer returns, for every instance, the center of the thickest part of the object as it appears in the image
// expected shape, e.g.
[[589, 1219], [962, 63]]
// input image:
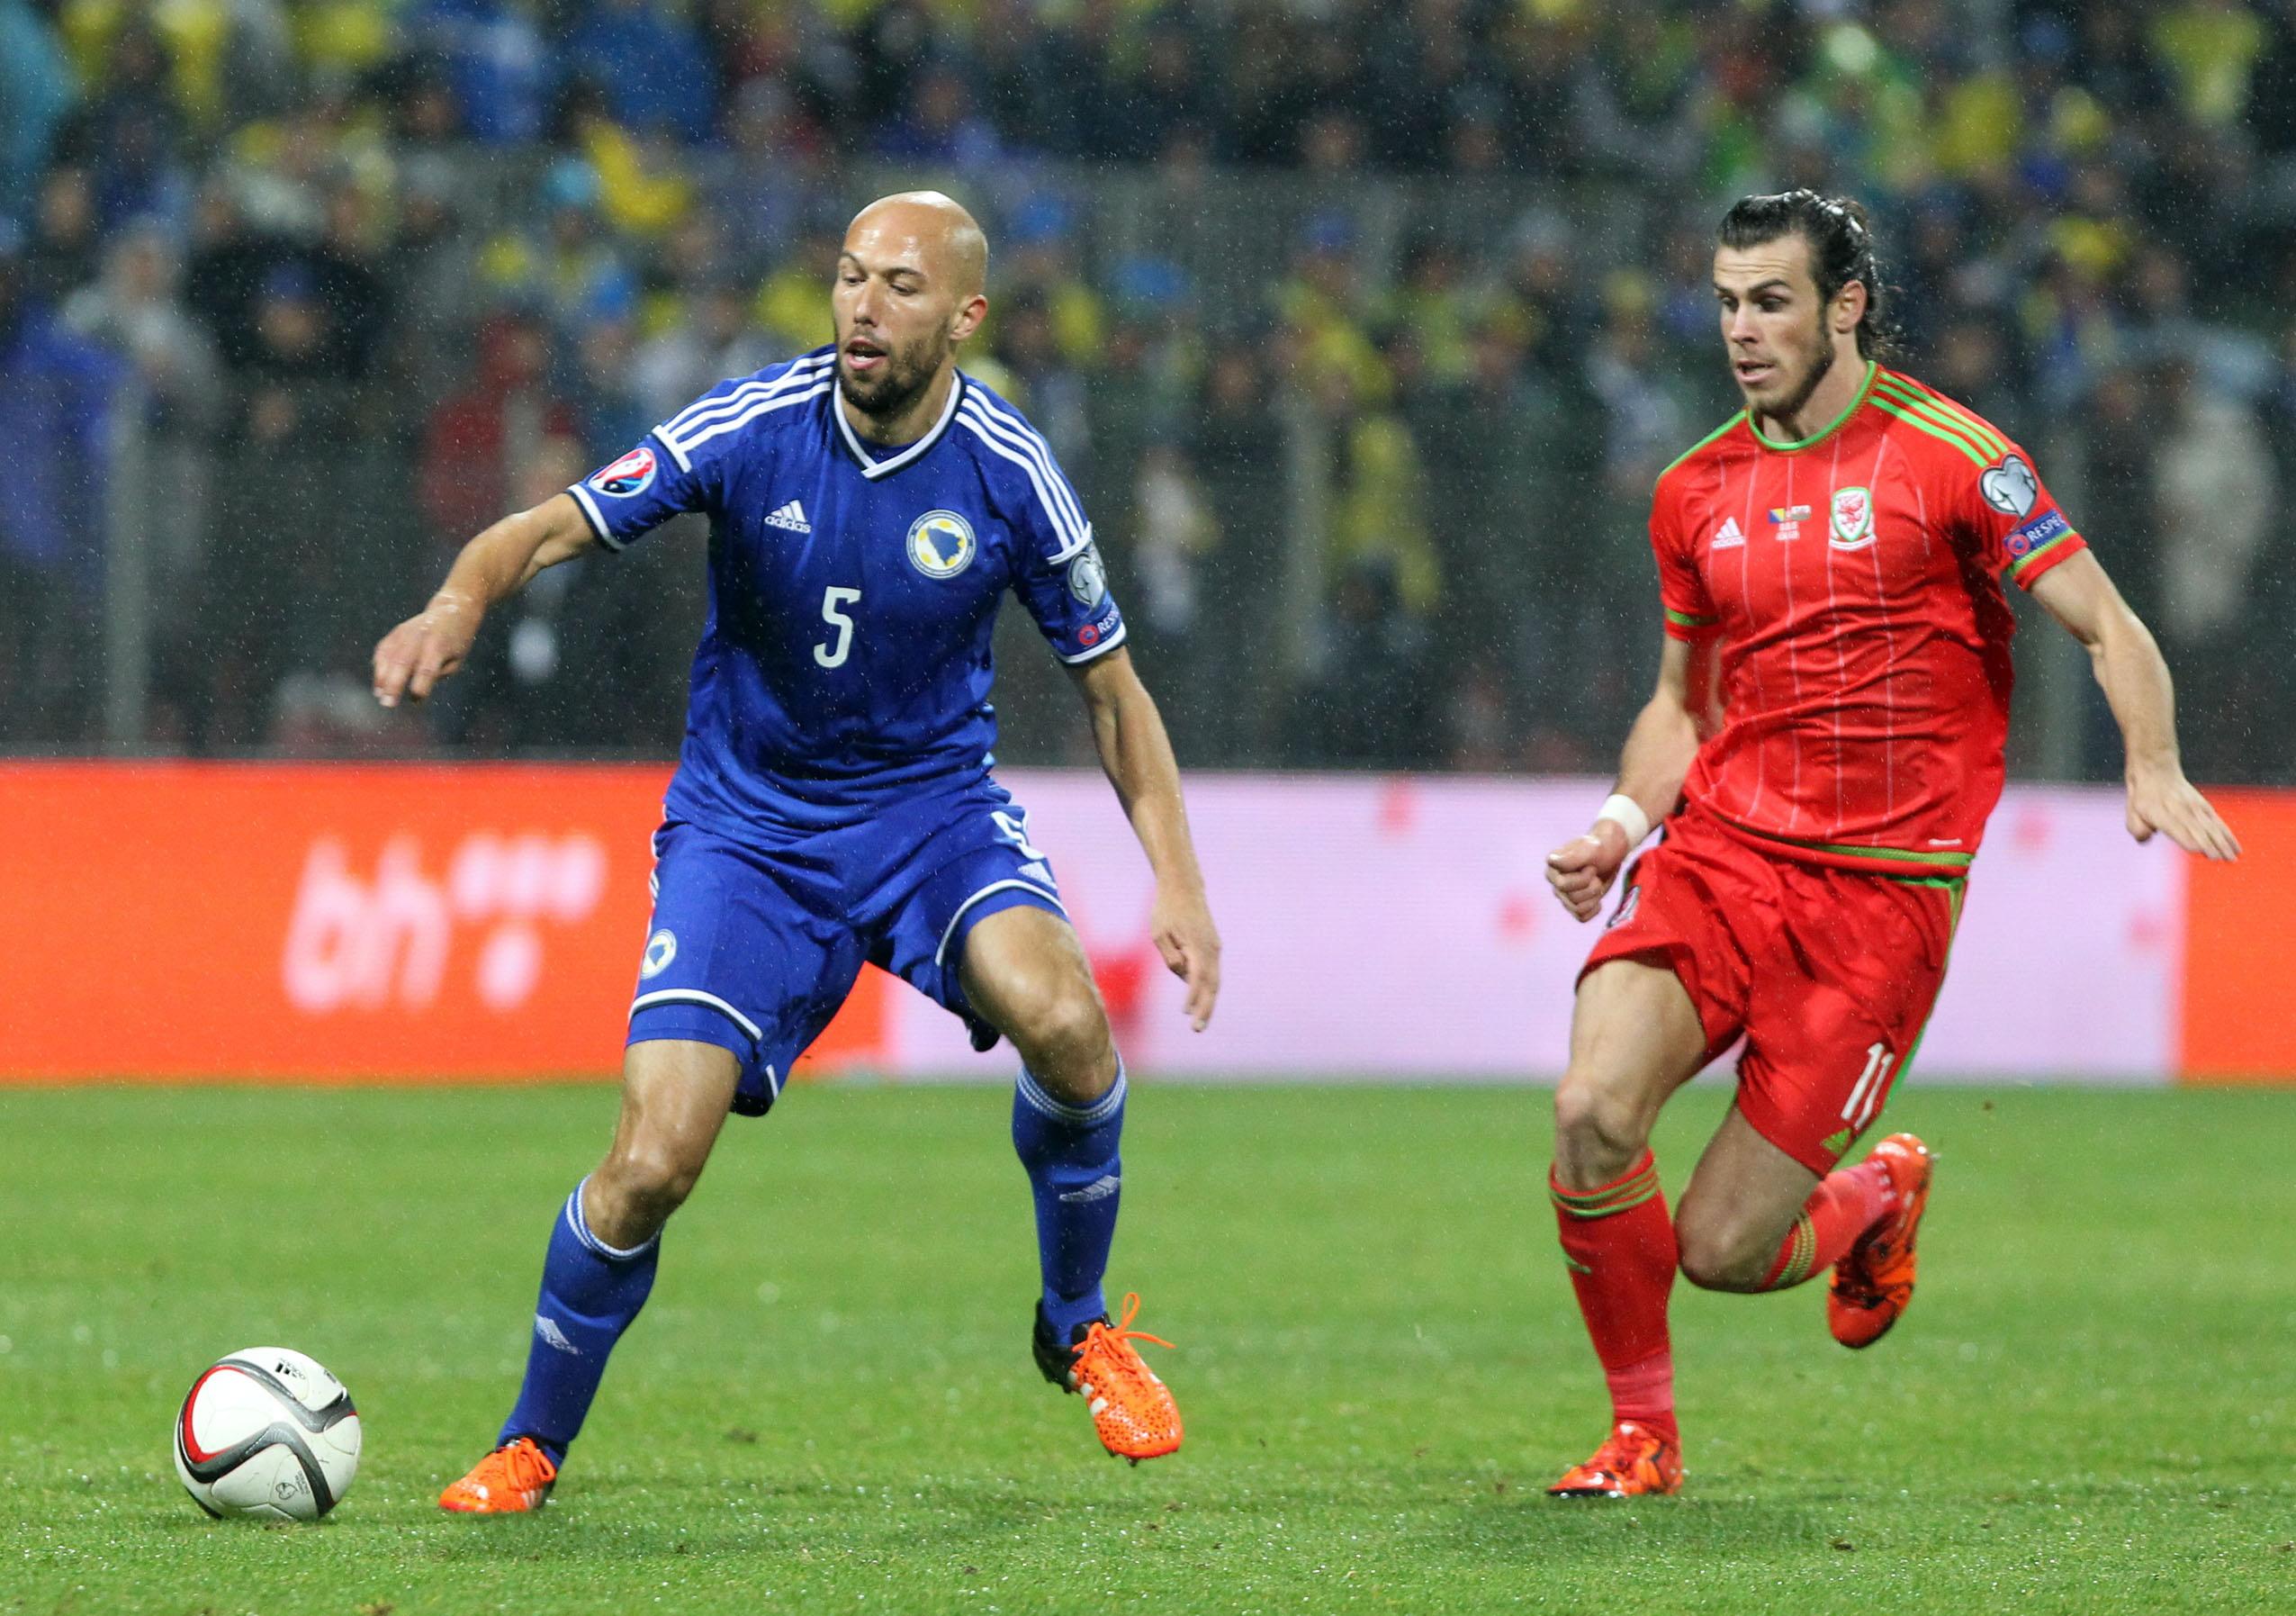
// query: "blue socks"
[[590, 1291], [1077, 1177]]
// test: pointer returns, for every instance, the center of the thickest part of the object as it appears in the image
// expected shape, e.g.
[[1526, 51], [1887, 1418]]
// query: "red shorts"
[[1829, 973]]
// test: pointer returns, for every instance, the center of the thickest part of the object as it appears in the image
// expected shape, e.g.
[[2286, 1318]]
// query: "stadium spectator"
[[66, 248], [648, 66], [494, 63], [56, 394], [2217, 496], [476, 439], [136, 310], [36, 91]]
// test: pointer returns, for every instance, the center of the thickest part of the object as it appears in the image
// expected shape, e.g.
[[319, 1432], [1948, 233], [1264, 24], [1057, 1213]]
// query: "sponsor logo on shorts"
[[1626, 909], [2048, 525], [660, 950], [942, 544], [633, 474]]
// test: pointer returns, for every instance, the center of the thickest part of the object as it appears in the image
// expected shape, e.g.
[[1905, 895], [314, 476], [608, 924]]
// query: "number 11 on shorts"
[[1865, 1100]]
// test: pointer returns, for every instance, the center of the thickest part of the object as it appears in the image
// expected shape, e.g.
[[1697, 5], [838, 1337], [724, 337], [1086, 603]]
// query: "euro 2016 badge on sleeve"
[[633, 474], [942, 544]]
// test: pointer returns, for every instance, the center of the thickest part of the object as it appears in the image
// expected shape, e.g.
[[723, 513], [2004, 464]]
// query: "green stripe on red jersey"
[[1987, 434], [1882, 861], [1702, 443], [1865, 390], [2017, 570], [1690, 619], [1982, 438], [1944, 431]]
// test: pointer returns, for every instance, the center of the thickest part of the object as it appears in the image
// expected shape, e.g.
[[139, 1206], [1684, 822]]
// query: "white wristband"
[[1627, 815]]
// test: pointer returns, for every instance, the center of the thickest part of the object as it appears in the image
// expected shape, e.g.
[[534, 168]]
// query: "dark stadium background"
[[1363, 329]]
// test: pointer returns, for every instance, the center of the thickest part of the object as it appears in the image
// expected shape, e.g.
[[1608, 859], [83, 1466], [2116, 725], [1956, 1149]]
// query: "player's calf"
[[1726, 1258]]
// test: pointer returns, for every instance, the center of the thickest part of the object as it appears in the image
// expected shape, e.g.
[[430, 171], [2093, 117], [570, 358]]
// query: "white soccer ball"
[[267, 1433]]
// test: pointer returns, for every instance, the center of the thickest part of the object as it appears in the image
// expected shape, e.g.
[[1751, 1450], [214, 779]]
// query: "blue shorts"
[[754, 943]]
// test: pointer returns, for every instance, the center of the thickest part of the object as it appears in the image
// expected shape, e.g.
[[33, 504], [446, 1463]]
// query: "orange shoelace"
[[522, 1467], [1617, 1456], [1107, 1343]]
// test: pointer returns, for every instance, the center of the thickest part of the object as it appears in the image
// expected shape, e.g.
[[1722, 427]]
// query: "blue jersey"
[[852, 590]]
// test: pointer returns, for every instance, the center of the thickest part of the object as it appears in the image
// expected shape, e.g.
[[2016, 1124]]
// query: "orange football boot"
[[513, 1479], [1874, 1280], [1635, 1462], [1131, 1409]]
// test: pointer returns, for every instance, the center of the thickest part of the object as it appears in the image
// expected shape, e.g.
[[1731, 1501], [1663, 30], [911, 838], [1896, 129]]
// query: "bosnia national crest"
[[942, 544]]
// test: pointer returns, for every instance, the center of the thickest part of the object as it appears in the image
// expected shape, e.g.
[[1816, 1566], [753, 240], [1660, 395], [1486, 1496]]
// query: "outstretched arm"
[[2127, 664], [418, 652], [1136, 755], [1660, 749]]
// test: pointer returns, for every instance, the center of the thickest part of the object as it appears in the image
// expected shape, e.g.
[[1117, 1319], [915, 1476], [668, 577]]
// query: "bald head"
[[908, 292], [928, 230]]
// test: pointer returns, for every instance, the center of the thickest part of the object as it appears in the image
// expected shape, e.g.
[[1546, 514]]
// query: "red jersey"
[[1854, 578]]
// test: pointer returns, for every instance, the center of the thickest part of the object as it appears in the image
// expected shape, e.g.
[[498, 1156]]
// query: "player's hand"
[[1582, 870], [1181, 923], [418, 652], [2163, 800]]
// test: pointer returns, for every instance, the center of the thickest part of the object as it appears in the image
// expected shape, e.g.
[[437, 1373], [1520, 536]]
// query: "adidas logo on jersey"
[[791, 516], [1729, 535]]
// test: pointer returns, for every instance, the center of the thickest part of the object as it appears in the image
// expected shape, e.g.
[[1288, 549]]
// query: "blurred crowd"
[[297, 295]]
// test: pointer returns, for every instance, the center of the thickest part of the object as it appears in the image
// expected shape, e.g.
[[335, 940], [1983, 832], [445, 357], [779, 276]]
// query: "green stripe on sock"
[[1613, 1208], [1804, 1241], [1640, 1184]]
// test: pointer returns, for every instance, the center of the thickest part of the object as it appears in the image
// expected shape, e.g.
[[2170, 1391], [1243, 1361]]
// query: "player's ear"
[[967, 318], [1849, 306]]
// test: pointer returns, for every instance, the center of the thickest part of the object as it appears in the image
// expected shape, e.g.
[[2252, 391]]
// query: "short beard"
[[1790, 409], [887, 395]]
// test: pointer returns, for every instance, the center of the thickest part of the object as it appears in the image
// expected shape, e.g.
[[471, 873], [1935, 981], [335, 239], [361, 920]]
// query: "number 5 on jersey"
[[831, 599]]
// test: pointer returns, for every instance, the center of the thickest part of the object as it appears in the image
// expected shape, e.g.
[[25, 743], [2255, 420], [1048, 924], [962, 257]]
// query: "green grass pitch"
[[829, 1406]]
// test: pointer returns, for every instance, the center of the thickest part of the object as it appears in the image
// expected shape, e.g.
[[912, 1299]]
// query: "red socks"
[[1619, 1243], [1843, 1206]]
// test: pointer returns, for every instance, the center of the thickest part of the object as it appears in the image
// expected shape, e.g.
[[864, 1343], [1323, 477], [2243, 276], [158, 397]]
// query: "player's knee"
[[645, 1182], [1720, 1258], [1062, 1033], [1597, 1131]]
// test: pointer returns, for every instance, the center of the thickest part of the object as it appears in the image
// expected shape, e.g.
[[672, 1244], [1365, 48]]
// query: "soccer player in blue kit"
[[832, 804]]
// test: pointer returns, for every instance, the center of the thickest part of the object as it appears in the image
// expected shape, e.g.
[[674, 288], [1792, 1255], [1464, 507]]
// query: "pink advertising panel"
[[1400, 928]]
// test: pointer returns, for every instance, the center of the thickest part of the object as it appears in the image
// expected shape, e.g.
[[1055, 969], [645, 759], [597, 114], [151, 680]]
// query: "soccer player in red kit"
[[1824, 746]]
